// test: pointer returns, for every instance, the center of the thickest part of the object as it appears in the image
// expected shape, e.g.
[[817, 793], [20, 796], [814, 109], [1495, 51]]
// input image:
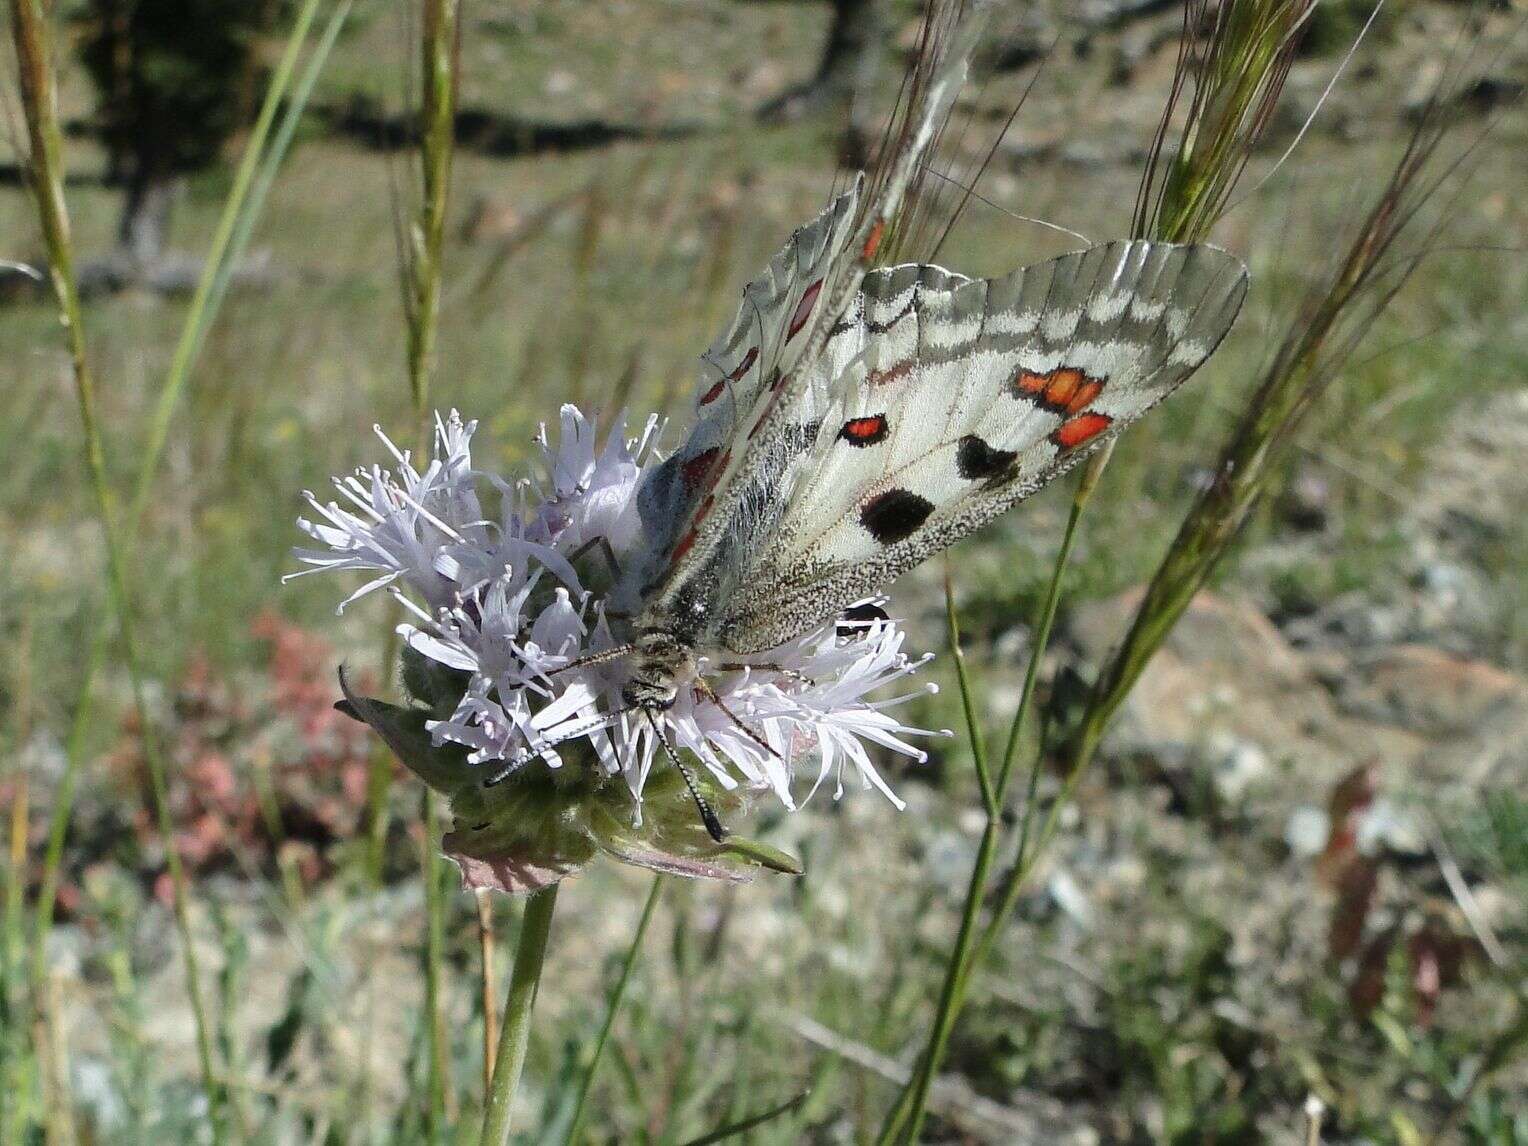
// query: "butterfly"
[[855, 421], [932, 403]]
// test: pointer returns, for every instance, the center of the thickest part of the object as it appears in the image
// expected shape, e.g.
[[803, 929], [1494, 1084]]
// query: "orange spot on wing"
[[1062, 385], [873, 241], [1084, 427], [1065, 390], [866, 431], [1028, 383], [1084, 394]]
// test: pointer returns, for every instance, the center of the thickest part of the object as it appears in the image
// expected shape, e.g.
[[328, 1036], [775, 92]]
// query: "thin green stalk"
[[423, 266], [612, 1008], [12, 1087], [248, 200], [909, 1111], [205, 300], [204, 308], [1236, 81], [991, 800], [515, 1033], [752, 1122], [488, 984], [39, 97], [438, 122]]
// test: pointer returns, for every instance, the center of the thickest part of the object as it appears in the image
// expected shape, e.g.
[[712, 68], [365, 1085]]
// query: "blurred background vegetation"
[[1299, 871]]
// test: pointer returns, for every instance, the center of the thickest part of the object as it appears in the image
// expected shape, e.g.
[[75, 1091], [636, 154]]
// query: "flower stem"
[[515, 1032], [612, 1008], [39, 97]]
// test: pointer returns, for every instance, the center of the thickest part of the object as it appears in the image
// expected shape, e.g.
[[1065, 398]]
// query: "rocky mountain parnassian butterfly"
[[837, 446]]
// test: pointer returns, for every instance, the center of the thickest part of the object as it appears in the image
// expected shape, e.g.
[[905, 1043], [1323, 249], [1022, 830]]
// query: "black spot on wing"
[[975, 460], [894, 515], [857, 619]]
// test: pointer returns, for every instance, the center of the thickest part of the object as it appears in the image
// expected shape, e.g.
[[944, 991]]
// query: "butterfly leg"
[[767, 666], [708, 814], [710, 694], [601, 545]]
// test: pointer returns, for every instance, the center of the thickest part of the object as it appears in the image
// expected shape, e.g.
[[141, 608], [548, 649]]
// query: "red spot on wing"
[[873, 240], [890, 374], [745, 365], [803, 310], [1083, 428], [683, 547], [865, 431], [694, 471]]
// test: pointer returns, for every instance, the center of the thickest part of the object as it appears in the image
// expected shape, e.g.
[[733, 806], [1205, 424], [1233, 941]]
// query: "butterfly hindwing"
[[940, 402]]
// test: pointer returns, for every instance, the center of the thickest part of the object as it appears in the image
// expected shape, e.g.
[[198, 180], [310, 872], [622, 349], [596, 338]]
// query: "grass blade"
[[39, 96], [612, 1008], [743, 1126]]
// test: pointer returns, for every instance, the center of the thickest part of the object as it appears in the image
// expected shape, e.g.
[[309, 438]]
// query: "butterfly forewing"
[[763, 344], [941, 402]]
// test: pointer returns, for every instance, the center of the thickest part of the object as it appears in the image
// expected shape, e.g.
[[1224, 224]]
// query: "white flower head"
[[509, 601]]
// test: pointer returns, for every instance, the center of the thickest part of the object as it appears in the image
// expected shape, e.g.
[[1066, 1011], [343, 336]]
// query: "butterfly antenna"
[[595, 659], [708, 814]]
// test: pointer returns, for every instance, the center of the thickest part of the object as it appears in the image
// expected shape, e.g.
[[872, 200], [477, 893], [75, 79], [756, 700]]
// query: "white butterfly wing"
[[940, 402], [763, 343]]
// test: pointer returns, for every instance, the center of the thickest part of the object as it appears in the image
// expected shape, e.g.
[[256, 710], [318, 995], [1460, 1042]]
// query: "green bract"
[[541, 824]]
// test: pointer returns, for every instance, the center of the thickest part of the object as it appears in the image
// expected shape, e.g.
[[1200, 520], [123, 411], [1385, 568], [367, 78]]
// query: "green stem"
[[612, 1008], [204, 302], [438, 122], [515, 1033], [905, 1120], [424, 263], [40, 104]]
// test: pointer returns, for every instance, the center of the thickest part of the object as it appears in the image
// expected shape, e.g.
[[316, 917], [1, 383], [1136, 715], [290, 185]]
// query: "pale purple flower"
[[504, 601]]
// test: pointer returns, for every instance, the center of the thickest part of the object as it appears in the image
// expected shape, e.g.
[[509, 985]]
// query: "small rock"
[[1070, 898], [1429, 691], [1307, 831], [1386, 826], [1235, 766]]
